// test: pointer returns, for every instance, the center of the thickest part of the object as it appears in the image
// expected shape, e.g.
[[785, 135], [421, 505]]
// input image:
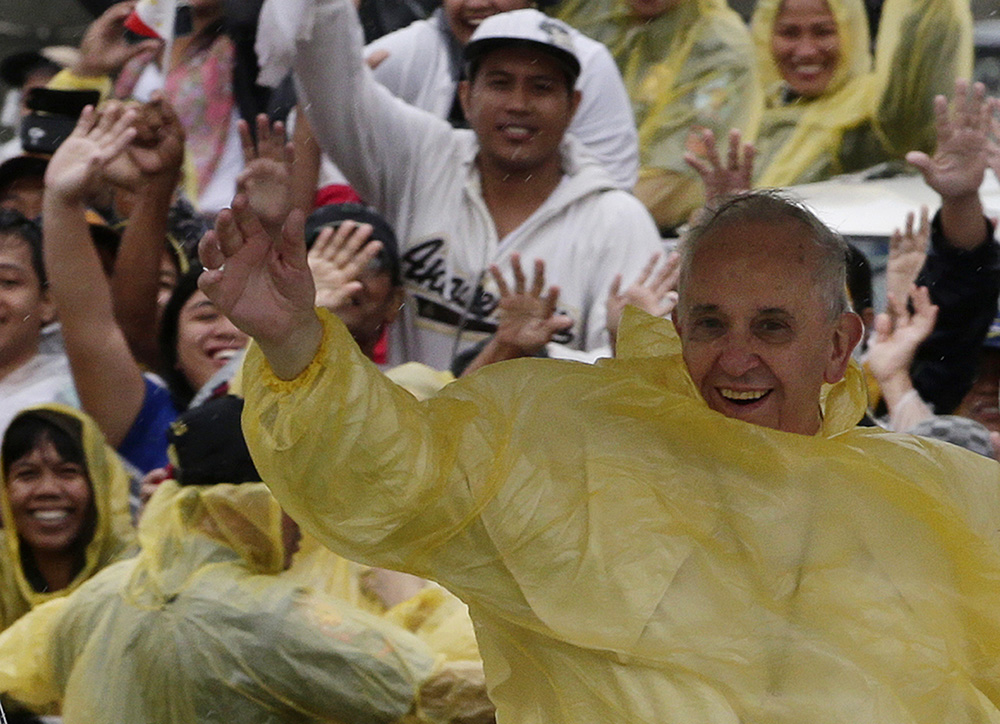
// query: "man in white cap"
[[463, 200]]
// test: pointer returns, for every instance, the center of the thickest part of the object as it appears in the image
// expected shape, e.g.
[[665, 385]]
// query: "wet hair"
[[772, 207], [33, 428], [180, 389], [14, 223]]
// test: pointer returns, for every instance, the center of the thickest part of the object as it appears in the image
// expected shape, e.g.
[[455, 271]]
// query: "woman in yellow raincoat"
[[200, 626], [828, 108], [688, 65], [64, 501]]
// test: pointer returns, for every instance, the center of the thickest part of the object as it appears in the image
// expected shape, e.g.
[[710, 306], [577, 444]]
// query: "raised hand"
[[898, 333], [528, 318], [104, 50], [907, 253], [993, 142], [157, 151], [263, 284], [655, 292], [720, 180], [956, 169], [266, 178], [76, 168], [337, 259]]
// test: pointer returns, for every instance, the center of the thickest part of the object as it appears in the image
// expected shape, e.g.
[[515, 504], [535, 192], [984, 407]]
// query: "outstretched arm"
[[152, 167], [262, 283], [107, 377]]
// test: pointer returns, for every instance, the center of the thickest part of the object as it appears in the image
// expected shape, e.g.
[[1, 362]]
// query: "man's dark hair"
[[14, 223]]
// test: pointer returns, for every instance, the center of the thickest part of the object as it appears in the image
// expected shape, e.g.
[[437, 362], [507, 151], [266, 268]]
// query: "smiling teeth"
[[50, 515], [225, 354], [742, 394]]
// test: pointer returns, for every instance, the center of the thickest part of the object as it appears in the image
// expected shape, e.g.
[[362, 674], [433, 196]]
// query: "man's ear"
[[48, 308], [847, 332], [574, 103], [465, 96]]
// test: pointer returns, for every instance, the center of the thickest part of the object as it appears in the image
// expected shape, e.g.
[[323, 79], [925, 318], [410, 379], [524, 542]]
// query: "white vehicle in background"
[[866, 207]]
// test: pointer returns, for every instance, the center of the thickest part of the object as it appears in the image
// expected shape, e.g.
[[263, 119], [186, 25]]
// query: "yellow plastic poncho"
[[200, 628], [870, 113], [689, 69], [113, 531], [628, 554]]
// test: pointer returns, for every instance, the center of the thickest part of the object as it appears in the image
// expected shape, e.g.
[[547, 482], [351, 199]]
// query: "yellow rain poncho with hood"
[[630, 555], [870, 113], [690, 68], [200, 626], [113, 534]]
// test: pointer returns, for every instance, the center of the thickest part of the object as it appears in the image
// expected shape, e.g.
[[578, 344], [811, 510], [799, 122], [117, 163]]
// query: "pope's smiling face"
[[758, 337]]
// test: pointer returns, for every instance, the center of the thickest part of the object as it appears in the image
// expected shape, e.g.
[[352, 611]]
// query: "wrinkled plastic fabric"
[[870, 113], [692, 67], [198, 628], [628, 554], [113, 531]]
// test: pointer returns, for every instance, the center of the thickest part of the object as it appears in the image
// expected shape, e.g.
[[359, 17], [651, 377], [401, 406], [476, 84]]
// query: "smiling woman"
[[830, 106], [64, 504]]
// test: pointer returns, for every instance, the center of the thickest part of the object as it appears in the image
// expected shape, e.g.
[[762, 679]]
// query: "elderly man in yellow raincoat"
[[696, 531]]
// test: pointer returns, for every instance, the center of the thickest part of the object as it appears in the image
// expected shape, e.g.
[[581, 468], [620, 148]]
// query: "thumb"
[[921, 160], [883, 327]]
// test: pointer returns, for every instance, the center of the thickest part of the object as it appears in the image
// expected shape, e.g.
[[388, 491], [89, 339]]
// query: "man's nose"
[[737, 358], [517, 98]]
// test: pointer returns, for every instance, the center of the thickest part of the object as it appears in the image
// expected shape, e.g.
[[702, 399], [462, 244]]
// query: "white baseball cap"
[[527, 27]]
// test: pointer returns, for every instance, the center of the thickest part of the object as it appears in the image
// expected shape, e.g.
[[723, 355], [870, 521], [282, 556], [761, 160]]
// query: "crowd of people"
[[260, 460]]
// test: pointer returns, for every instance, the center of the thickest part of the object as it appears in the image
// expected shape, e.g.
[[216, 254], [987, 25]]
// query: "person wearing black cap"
[[462, 201]]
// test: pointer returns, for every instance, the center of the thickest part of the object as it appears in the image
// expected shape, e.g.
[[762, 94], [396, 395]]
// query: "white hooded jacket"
[[420, 172]]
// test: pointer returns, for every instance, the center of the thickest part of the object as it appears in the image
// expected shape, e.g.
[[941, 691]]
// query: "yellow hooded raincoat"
[[629, 554], [113, 531], [200, 628], [691, 68], [870, 113]]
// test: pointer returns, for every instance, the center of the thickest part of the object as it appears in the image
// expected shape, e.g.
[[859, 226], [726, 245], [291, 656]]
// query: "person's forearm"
[[906, 408], [135, 281], [963, 223], [305, 169], [290, 354], [494, 351], [107, 378]]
